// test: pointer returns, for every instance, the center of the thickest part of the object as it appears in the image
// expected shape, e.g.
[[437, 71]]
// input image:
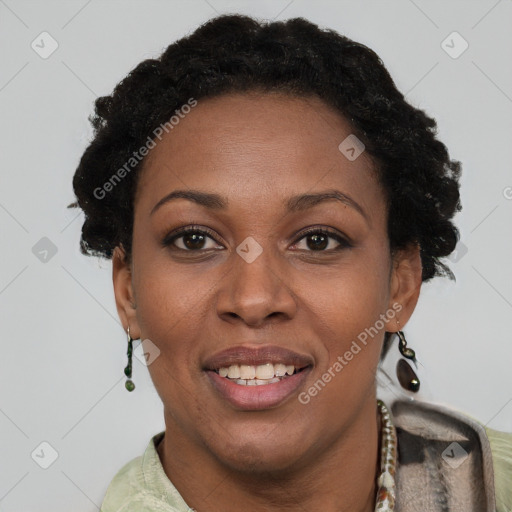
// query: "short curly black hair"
[[236, 53]]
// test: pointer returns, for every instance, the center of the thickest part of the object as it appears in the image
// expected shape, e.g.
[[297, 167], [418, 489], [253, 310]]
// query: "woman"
[[272, 205]]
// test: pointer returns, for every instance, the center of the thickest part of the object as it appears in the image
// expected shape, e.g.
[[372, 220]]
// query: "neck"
[[340, 479]]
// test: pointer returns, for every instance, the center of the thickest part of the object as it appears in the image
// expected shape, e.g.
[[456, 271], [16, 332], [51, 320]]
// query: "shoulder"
[[473, 462], [128, 490], [141, 484], [501, 449], [126, 483]]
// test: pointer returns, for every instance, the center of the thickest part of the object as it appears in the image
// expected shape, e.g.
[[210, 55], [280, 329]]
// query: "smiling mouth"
[[255, 378], [258, 375]]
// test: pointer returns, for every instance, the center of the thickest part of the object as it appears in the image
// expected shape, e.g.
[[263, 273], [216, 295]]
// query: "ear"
[[405, 284], [123, 291]]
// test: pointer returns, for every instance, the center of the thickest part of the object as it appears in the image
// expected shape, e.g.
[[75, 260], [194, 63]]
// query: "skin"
[[257, 150]]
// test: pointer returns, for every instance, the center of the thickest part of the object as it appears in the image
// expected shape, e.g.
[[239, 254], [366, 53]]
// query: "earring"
[[406, 375], [129, 385]]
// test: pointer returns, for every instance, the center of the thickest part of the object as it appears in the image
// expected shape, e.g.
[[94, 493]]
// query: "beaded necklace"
[[386, 490]]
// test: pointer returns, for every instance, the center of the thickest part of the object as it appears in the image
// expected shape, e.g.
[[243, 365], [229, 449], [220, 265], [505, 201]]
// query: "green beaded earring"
[[129, 385]]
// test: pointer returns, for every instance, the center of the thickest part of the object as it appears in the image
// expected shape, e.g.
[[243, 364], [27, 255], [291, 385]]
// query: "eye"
[[191, 239], [317, 240]]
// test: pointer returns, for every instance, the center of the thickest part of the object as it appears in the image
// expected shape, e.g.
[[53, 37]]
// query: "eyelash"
[[171, 238]]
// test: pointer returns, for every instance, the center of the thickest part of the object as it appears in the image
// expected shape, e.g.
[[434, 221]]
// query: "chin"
[[266, 453], [253, 460]]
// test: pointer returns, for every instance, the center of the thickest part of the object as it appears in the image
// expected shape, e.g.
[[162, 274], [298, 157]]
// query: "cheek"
[[353, 294], [347, 309], [164, 316], [168, 295], [169, 304]]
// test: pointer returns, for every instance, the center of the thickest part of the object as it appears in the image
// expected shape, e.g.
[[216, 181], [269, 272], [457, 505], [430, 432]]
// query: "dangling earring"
[[129, 385], [406, 375]]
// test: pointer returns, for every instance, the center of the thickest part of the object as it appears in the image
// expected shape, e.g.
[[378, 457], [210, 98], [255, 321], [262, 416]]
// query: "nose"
[[256, 292]]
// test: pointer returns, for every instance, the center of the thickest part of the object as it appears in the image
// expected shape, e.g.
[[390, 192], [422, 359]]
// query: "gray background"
[[63, 348]]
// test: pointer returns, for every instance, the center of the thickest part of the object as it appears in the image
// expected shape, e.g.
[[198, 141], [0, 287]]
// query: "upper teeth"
[[262, 371]]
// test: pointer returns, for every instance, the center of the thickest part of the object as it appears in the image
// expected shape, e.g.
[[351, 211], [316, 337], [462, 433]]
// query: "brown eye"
[[318, 240], [193, 240], [190, 240]]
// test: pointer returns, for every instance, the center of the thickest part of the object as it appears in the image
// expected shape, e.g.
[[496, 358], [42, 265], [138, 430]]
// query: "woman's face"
[[251, 290]]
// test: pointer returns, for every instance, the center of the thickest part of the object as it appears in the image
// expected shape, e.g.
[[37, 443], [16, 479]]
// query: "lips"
[[243, 355], [253, 393]]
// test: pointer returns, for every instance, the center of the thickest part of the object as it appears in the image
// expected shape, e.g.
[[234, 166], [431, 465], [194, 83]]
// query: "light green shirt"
[[501, 449], [142, 484]]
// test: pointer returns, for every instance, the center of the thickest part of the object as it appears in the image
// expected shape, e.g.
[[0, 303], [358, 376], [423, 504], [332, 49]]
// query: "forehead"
[[254, 146]]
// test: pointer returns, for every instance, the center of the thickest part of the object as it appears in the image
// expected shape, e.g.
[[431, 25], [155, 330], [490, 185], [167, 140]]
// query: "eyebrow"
[[293, 204]]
